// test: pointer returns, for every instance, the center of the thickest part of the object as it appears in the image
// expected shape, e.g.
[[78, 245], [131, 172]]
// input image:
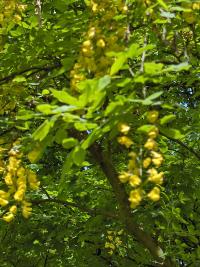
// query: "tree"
[[99, 138]]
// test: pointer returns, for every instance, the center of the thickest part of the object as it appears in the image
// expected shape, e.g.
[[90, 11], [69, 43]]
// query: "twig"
[[75, 205], [191, 150], [14, 74], [38, 12]]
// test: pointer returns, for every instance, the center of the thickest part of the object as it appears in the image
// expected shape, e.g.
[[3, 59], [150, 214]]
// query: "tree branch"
[[190, 149], [105, 162], [72, 204], [34, 69]]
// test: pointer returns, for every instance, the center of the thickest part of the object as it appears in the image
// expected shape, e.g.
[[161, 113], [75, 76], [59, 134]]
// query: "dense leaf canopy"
[[99, 133]]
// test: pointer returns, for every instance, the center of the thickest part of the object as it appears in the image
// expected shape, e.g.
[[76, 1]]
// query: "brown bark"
[[105, 162]]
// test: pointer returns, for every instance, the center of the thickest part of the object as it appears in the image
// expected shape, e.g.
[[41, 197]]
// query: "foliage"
[[99, 140]]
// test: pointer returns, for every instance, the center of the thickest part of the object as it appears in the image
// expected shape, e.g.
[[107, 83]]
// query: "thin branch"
[[38, 12], [190, 149], [75, 205], [143, 55], [35, 69]]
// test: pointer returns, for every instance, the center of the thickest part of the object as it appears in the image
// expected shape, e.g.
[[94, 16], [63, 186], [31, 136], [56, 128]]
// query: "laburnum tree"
[[99, 133]]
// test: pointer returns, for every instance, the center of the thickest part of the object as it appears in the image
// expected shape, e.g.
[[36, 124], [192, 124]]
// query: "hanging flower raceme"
[[113, 241], [104, 34], [10, 12], [142, 167], [18, 179]]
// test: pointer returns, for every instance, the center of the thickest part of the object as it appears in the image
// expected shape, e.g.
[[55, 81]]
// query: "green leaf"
[[153, 68], [43, 130], [180, 67], [45, 108], [68, 162], [118, 64], [69, 142], [92, 137], [133, 51], [103, 82], [167, 119], [67, 63], [149, 100], [154, 96], [60, 135], [172, 133], [25, 115], [19, 79], [162, 3], [78, 155], [64, 97], [84, 126], [145, 128], [63, 109]]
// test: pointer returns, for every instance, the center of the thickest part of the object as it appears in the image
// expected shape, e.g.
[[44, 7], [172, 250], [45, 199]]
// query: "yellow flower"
[[13, 209], [21, 7], [124, 140], [153, 133], [156, 178], [124, 177], [21, 172], [101, 43], [132, 155], [34, 186], [118, 241], [124, 128], [87, 43], [136, 171], [26, 211], [131, 164], [32, 178], [3, 202], [135, 197], [120, 232], [134, 180], [196, 6], [91, 32], [19, 195], [21, 181], [4, 194], [8, 179], [110, 237], [2, 169], [152, 172], [154, 194], [109, 245], [8, 217], [150, 144], [157, 162], [157, 158], [94, 7], [152, 116], [146, 162]]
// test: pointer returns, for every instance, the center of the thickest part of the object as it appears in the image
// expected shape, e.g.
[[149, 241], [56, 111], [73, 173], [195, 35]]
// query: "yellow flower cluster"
[[193, 7], [146, 167], [113, 240], [132, 175], [105, 34], [10, 11], [17, 178], [124, 140], [154, 158]]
